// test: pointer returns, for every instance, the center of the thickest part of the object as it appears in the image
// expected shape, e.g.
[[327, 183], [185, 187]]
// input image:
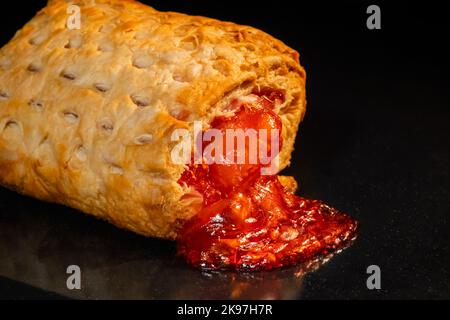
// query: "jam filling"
[[249, 221]]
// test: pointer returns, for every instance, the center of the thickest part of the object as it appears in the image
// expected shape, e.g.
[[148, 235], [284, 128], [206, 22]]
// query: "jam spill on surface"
[[250, 221]]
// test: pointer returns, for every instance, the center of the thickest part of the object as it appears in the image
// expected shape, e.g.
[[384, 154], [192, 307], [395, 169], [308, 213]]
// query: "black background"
[[374, 142]]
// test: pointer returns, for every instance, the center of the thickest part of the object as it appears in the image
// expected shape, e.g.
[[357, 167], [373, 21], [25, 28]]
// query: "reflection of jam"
[[248, 220]]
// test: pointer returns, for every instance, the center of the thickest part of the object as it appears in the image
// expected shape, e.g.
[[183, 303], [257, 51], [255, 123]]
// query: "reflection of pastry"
[[86, 117]]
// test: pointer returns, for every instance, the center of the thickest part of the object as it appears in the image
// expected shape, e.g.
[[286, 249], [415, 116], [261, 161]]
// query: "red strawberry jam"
[[249, 221]]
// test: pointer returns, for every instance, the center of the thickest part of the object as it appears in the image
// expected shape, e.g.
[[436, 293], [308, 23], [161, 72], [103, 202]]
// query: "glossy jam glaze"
[[250, 221]]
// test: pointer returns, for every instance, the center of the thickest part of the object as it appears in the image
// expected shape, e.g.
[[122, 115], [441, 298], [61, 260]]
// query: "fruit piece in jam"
[[250, 221]]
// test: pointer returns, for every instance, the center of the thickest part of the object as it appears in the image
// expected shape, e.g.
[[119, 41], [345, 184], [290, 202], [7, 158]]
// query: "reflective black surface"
[[118, 264], [374, 143]]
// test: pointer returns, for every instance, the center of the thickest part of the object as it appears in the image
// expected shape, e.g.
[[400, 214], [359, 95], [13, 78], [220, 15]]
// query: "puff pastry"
[[86, 115]]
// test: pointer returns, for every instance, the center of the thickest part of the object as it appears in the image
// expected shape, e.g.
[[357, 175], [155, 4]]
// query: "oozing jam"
[[249, 221]]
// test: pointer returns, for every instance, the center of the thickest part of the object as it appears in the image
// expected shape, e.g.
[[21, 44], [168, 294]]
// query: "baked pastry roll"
[[86, 115]]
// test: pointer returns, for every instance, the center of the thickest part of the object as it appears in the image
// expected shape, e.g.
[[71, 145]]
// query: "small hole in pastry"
[[37, 40], [178, 76], [43, 140], [144, 139], [142, 62], [109, 27], [188, 74], [4, 95], [36, 104], [181, 114], [105, 47], [140, 36], [80, 152], [106, 125], [11, 124], [70, 117], [68, 75], [34, 67], [140, 101], [102, 87], [115, 169], [189, 43], [73, 43]]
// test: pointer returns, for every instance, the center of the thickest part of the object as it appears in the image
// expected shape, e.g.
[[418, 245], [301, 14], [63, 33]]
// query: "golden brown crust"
[[289, 183], [86, 115]]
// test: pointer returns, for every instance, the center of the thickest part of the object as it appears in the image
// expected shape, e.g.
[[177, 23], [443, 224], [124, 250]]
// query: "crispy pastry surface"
[[86, 116]]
